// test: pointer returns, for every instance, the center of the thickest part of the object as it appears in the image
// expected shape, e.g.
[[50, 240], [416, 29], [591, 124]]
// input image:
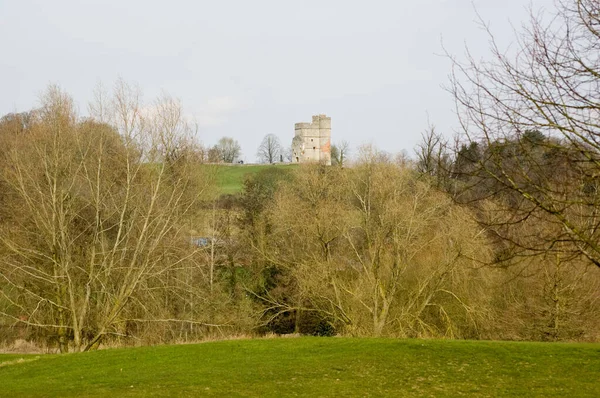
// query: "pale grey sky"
[[248, 68]]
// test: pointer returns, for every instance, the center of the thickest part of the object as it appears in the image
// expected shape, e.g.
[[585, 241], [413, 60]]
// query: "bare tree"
[[431, 153], [213, 155], [288, 154], [270, 149], [547, 87], [376, 252], [229, 149], [98, 217]]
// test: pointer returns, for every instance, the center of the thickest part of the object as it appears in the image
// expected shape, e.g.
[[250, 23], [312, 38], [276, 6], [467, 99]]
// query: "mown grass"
[[315, 367], [6, 358], [230, 179]]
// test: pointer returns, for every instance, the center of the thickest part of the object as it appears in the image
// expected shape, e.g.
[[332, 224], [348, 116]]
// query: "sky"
[[244, 69]]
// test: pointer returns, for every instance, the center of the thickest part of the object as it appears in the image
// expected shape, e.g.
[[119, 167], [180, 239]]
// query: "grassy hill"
[[313, 367], [230, 178]]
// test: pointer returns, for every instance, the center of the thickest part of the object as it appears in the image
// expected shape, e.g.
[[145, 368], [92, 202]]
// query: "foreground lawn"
[[15, 358], [315, 367]]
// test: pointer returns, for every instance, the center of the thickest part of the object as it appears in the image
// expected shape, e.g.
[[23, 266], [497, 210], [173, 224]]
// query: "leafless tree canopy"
[[531, 116], [95, 229], [432, 154], [270, 149], [110, 230], [229, 149]]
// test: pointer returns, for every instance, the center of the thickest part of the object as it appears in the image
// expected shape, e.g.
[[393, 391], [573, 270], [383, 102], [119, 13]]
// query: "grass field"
[[314, 367], [230, 179]]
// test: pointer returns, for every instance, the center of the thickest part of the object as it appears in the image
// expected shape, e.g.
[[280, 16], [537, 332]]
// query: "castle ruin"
[[312, 141]]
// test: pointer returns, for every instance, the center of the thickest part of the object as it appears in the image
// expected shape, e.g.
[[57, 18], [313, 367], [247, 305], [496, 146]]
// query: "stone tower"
[[312, 141]]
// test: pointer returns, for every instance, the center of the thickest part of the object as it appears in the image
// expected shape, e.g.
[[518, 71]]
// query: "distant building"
[[312, 141]]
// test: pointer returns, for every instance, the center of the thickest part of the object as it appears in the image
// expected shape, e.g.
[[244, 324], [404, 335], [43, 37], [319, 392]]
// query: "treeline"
[[527, 161], [383, 249], [111, 230], [95, 223]]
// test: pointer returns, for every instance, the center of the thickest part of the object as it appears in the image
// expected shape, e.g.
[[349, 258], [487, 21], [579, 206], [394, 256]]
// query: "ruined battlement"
[[312, 141], [303, 126]]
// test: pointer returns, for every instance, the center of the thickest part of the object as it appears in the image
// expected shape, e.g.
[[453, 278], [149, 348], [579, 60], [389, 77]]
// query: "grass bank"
[[311, 367], [230, 178]]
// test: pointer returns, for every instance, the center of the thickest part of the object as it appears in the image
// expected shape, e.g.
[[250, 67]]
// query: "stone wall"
[[312, 141]]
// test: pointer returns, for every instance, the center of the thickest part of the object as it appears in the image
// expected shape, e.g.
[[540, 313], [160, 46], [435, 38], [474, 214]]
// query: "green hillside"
[[230, 178], [314, 367]]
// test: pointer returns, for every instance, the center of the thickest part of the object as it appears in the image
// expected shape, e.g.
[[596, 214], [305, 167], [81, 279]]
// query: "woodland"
[[113, 230]]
